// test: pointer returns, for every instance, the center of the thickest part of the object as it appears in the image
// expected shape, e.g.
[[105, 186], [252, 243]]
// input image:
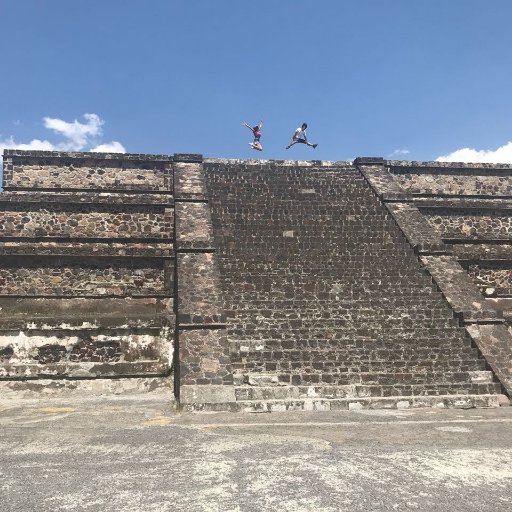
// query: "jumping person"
[[300, 137], [256, 131]]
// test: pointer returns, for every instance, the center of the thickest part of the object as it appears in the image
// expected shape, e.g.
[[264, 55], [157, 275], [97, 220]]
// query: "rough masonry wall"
[[92, 235], [268, 275], [437, 178], [57, 276], [49, 170], [85, 221], [470, 224]]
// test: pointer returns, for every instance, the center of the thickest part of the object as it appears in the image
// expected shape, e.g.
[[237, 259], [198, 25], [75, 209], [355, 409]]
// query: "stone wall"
[[470, 224], [94, 171], [29, 220], [256, 284], [437, 178], [83, 277], [469, 206], [493, 277], [205, 374], [92, 237]]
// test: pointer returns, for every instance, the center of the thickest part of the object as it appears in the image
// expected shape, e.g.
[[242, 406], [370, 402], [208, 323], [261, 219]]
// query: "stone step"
[[268, 294], [455, 401], [310, 283], [432, 315], [460, 351], [354, 323], [259, 376], [364, 335], [295, 254], [362, 347], [298, 372], [353, 364], [433, 299], [247, 392], [337, 275]]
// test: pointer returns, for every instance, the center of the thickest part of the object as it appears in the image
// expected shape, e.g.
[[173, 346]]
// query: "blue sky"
[[394, 78]]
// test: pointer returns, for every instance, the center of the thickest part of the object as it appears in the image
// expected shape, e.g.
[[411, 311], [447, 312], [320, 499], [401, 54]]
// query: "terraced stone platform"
[[250, 285]]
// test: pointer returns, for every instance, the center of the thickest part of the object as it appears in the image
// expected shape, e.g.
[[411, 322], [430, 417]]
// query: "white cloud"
[[400, 152], [76, 136], [110, 147], [501, 155], [35, 144]]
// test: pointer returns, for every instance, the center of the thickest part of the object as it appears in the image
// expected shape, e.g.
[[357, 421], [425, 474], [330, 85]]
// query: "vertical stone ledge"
[[205, 374]]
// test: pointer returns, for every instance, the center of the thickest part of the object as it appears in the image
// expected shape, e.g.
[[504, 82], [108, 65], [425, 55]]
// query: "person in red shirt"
[[256, 131]]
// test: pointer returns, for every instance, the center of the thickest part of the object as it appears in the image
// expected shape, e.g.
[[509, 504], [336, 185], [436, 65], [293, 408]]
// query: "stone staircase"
[[326, 303]]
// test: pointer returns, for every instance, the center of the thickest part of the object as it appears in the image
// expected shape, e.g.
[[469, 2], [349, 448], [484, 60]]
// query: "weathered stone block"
[[84, 352], [86, 221], [446, 178], [204, 356], [192, 395], [424, 238], [382, 181], [61, 276]]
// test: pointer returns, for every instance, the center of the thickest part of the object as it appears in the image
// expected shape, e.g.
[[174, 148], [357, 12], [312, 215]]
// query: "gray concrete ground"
[[136, 454]]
